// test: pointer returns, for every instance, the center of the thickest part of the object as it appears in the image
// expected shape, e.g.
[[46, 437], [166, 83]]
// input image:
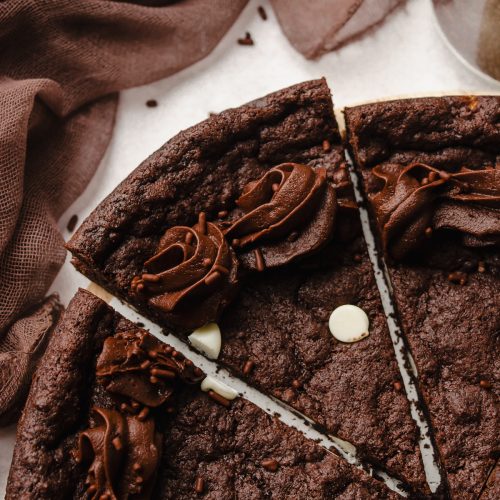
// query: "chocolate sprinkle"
[[259, 260], [270, 464], [202, 223], [262, 12], [152, 103], [248, 367], [458, 277], [219, 399], [73, 221], [398, 386], [247, 40], [199, 485]]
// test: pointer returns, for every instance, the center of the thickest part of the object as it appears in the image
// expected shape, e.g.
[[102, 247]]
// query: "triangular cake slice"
[[247, 219], [115, 413], [430, 171]]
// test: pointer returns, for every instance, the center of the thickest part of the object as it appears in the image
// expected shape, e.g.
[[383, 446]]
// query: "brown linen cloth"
[[61, 64], [318, 26]]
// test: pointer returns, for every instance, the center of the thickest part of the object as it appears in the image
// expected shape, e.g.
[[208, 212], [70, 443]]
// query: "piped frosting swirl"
[[288, 213], [419, 199], [192, 276], [122, 454], [137, 366]]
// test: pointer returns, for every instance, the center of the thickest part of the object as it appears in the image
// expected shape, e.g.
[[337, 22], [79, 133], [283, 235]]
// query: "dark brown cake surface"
[[279, 320], [280, 323], [443, 260], [492, 488], [228, 448], [243, 452]]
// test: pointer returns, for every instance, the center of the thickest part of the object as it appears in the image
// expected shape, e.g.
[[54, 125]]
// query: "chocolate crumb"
[[296, 384], [262, 12], [270, 464], [481, 268], [199, 485], [485, 384], [152, 103], [73, 221], [248, 367], [222, 214], [140, 324], [428, 232], [326, 145], [247, 40]]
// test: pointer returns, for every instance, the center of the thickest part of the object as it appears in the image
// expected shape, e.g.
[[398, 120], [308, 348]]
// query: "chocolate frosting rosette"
[[122, 454], [121, 448], [288, 213], [420, 199], [142, 369], [192, 277]]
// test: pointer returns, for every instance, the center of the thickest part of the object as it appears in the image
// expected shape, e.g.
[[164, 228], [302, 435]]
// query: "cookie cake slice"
[[430, 172], [115, 413]]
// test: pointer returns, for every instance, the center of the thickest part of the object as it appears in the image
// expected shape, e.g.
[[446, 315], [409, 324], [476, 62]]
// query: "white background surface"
[[405, 56]]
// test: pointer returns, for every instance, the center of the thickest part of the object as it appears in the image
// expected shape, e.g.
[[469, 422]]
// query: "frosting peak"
[[192, 276], [289, 212], [419, 199], [136, 365], [122, 453]]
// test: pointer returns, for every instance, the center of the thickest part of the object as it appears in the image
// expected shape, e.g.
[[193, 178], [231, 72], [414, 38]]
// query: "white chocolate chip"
[[211, 384], [207, 339], [349, 323]]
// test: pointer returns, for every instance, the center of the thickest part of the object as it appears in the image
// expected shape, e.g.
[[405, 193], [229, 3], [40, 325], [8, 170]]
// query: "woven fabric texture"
[[62, 63]]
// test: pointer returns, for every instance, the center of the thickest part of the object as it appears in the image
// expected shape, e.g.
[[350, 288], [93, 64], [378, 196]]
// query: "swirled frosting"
[[288, 213], [137, 366], [122, 454], [192, 276], [419, 199]]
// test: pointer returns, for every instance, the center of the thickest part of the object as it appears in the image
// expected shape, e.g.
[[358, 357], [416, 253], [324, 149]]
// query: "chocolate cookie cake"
[[115, 413], [430, 173], [248, 220]]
